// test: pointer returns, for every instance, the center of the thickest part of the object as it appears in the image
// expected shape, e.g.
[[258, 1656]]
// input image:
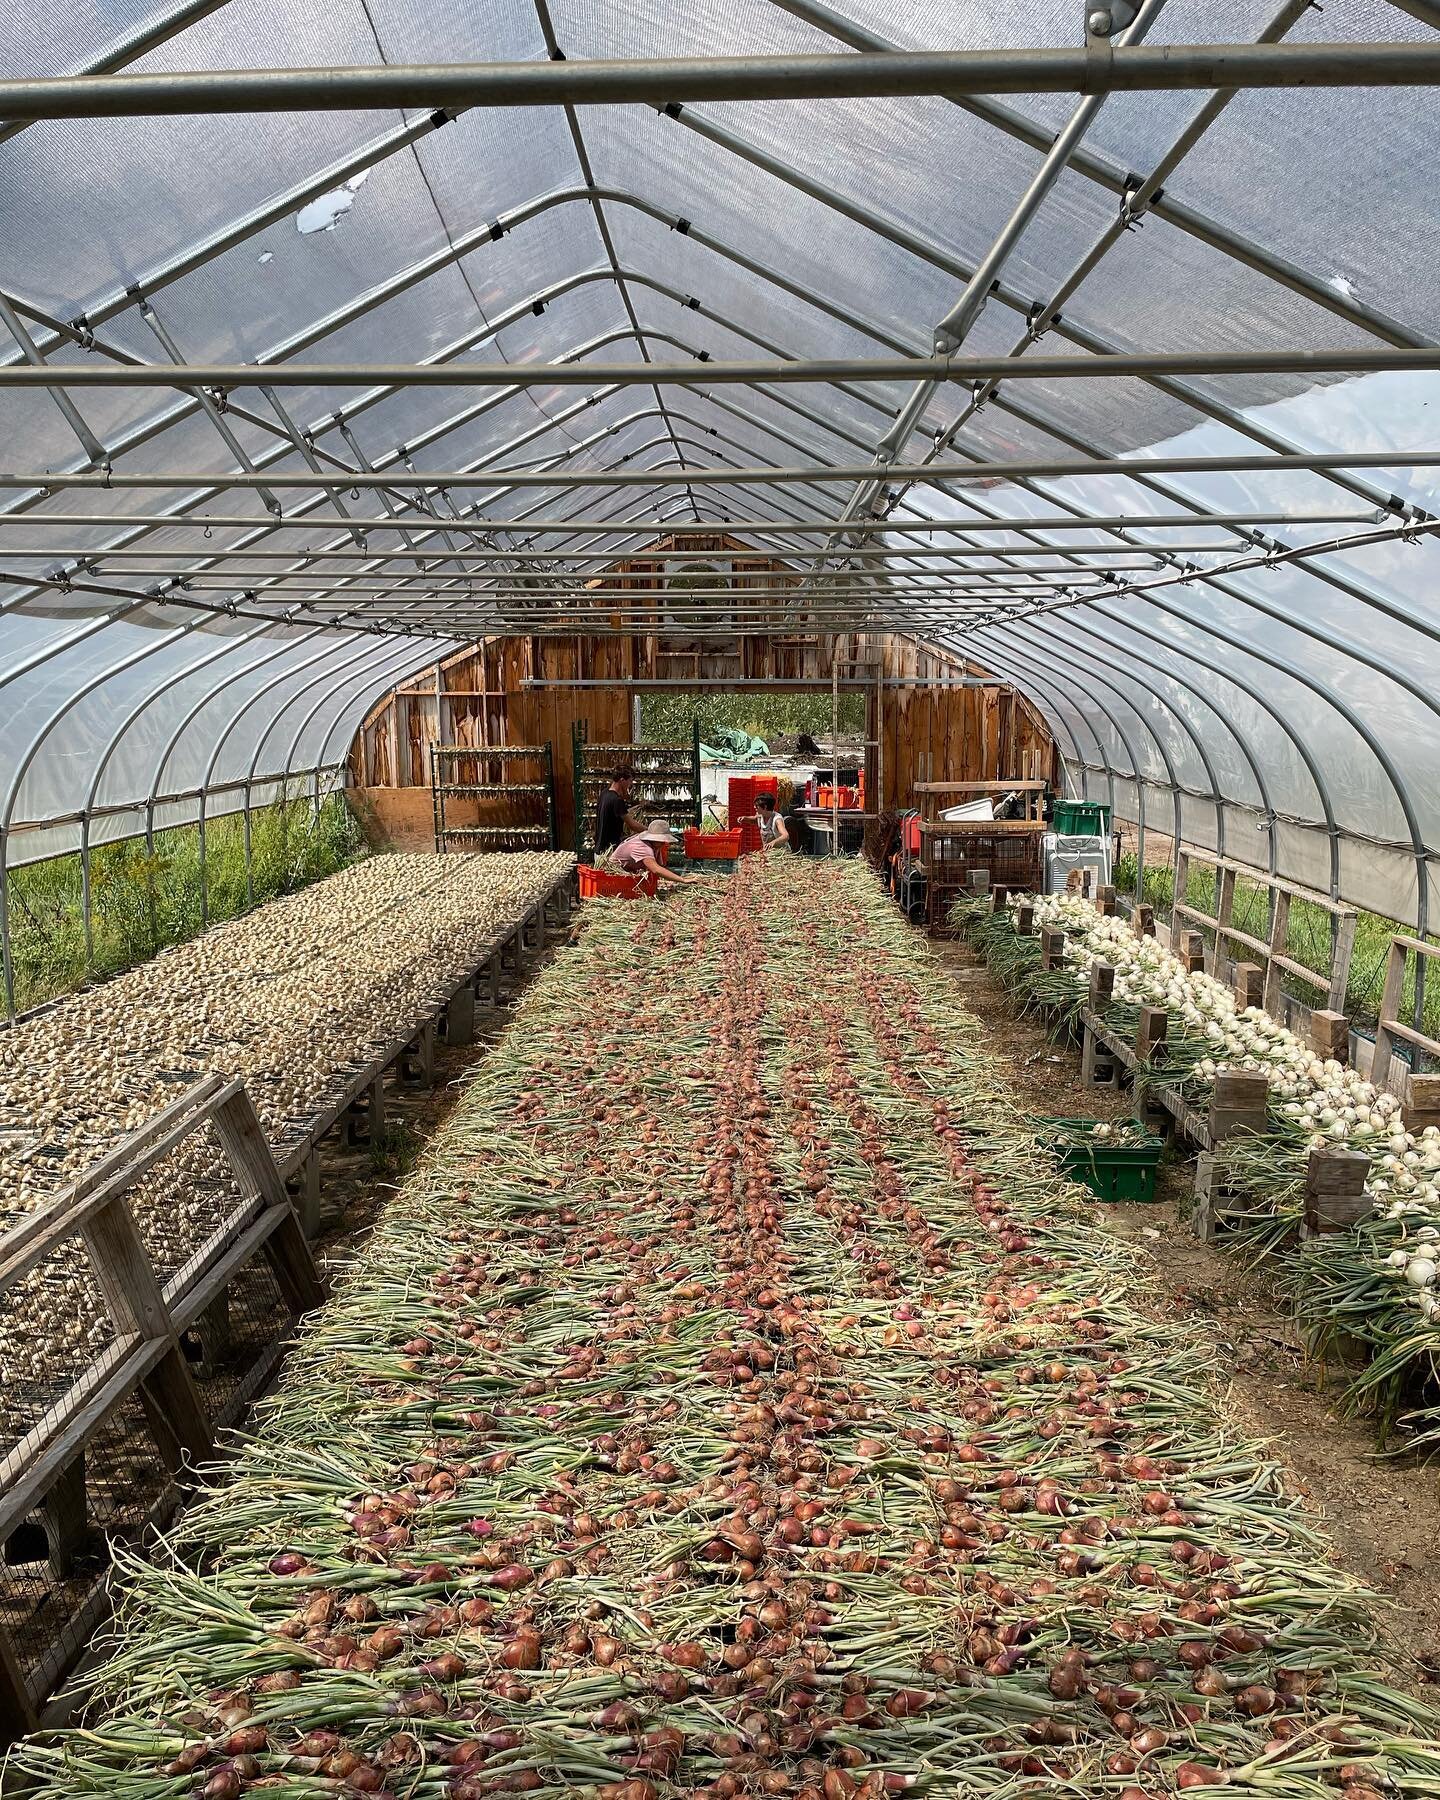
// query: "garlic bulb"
[[295, 997]]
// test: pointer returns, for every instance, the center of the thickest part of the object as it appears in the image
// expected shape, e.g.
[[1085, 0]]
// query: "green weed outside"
[[669, 718], [143, 900]]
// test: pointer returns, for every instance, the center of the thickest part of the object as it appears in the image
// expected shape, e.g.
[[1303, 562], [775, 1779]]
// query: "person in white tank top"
[[773, 831]]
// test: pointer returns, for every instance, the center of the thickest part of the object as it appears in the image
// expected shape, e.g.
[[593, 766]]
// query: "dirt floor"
[[357, 1181], [1381, 1513]]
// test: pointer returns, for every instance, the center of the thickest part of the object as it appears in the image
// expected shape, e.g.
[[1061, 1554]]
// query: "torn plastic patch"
[[326, 213]]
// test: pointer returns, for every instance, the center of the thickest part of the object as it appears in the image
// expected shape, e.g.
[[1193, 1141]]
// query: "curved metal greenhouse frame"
[[877, 315]]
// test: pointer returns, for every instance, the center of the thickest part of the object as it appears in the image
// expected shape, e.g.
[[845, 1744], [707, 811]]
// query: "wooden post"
[[416, 1063], [978, 880], [1279, 937], [1025, 921], [460, 1017], [1150, 1033], [1190, 948], [492, 969], [1098, 1066], [1224, 915], [1340, 960], [1052, 947], [304, 1189], [1389, 1012], [1249, 985], [1143, 919], [136, 1304], [1239, 1101], [1105, 901], [17, 1711], [1335, 1197], [999, 896], [1330, 1036], [286, 1249], [1423, 1107], [398, 777], [67, 1523]]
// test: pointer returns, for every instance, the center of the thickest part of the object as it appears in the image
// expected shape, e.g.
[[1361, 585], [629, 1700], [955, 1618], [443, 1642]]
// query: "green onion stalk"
[[737, 1401]]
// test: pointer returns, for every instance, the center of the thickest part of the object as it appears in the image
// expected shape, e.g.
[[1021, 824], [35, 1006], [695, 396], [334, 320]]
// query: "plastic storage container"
[[712, 846], [610, 883], [742, 806], [1111, 1171], [1081, 818]]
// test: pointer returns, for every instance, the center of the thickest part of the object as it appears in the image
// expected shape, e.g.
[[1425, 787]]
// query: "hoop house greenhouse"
[[650, 649]]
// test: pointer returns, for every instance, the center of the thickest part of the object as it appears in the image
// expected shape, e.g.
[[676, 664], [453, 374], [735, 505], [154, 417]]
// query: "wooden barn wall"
[[950, 733], [505, 692]]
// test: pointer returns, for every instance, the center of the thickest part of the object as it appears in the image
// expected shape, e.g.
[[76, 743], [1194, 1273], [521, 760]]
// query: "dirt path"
[[1382, 1514], [358, 1180]]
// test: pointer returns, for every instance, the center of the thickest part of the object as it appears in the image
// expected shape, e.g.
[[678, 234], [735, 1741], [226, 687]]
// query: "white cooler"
[[1062, 854]]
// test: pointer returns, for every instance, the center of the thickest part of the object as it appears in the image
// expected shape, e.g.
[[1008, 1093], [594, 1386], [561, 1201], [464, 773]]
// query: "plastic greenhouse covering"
[[1267, 690]]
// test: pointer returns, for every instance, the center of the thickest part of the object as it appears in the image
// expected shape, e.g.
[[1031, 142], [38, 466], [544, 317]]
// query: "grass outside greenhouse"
[[668, 718], [1307, 940], [144, 899]]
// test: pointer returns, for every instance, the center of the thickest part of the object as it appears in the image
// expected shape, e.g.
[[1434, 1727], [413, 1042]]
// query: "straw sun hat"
[[658, 832]]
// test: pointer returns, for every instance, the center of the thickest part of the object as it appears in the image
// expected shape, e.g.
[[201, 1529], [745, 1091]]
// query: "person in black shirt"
[[613, 821]]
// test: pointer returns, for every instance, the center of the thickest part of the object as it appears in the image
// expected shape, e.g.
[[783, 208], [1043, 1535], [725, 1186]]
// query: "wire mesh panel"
[[124, 1350]]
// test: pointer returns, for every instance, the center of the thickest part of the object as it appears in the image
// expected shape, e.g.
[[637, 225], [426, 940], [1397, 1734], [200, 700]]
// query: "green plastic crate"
[[1081, 818], [1110, 1171]]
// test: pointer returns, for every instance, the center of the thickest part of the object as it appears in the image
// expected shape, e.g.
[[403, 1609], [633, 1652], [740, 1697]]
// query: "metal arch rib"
[[1102, 173], [1088, 629], [384, 648], [1351, 718], [188, 718], [1032, 683], [1072, 658], [391, 675], [1196, 740]]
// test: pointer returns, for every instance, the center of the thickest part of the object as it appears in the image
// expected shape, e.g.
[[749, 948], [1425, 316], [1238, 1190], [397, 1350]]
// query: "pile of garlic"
[[1323, 1100], [292, 997]]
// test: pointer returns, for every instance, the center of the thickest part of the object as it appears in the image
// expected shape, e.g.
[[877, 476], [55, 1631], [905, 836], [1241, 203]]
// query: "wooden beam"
[[1330, 1036], [1335, 1197]]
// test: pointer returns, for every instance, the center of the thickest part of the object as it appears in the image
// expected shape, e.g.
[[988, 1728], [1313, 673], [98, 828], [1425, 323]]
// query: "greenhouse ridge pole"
[[1100, 68], [1191, 521], [703, 370], [1055, 468]]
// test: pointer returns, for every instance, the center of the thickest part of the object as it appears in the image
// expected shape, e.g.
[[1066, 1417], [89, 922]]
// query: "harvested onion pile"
[[733, 1403], [1375, 1287]]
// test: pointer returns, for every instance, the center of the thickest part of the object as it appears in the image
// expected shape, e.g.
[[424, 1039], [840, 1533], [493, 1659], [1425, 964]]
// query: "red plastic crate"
[[609, 882], [712, 846], [742, 807]]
